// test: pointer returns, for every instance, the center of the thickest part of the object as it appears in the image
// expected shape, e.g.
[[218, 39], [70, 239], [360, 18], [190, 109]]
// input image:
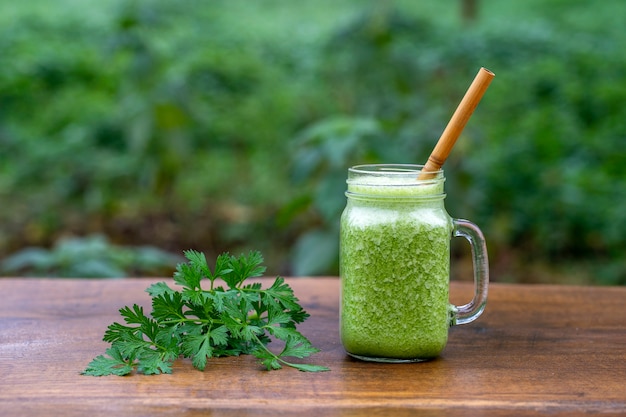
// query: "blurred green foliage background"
[[230, 125]]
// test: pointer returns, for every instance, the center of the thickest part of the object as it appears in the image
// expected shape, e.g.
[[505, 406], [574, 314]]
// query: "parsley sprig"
[[202, 323]]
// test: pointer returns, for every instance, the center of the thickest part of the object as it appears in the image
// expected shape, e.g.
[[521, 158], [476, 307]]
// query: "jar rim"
[[399, 174], [391, 169], [396, 181]]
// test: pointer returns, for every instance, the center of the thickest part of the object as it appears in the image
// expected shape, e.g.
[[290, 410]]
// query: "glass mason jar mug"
[[395, 265]]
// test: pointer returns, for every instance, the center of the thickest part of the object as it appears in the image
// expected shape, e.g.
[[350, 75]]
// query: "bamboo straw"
[[456, 124]]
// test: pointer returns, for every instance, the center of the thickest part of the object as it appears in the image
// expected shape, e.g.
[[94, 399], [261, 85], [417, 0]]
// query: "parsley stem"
[[266, 349]]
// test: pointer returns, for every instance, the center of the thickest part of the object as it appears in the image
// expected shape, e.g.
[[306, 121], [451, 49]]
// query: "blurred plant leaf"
[[89, 257], [315, 252]]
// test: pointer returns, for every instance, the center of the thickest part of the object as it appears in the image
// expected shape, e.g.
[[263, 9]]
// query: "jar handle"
[[469, 312]]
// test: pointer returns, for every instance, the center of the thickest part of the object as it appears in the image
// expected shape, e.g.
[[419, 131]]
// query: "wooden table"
[[537, 349]]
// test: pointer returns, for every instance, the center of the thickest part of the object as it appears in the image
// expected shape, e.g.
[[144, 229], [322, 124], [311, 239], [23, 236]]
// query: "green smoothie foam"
[[395, 262]]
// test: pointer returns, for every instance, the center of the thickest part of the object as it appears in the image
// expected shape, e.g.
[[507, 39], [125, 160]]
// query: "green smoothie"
[[395, 264]]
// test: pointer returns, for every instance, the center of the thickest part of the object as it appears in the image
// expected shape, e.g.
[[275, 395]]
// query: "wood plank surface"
[[559, 350]]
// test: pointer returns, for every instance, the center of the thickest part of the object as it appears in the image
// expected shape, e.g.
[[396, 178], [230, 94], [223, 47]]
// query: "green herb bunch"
[[201, 323]]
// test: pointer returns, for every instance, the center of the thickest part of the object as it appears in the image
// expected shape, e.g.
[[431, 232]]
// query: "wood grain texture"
[[537, 349]]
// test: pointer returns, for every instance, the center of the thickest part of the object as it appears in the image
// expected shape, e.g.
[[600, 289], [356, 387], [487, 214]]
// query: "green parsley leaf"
[[200, 323], [158, 289], [114, 364], [242, 268], [298, 347], [308, 367], [168, 307], [198, 347]]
